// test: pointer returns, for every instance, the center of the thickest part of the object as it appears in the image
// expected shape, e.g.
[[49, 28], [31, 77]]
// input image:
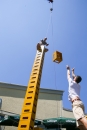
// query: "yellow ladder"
[[30, 102]]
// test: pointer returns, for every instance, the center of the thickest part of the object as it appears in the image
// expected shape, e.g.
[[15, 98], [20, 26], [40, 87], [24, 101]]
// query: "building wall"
[[49, 105], [49, 102], [67, 113]]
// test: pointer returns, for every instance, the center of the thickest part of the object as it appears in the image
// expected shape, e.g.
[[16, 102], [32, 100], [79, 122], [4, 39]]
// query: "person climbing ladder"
[[74, 97]]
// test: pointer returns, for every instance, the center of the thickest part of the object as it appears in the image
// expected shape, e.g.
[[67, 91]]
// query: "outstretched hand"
[[73, 69], [67, 67]]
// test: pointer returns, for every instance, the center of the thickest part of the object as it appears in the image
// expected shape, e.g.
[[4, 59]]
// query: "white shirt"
[[74, 89]]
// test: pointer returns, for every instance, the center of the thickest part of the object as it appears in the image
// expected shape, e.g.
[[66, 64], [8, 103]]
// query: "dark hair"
[[78, 79]]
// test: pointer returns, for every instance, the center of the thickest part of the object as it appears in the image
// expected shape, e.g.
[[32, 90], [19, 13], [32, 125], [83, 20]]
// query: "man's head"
[[77, 79]]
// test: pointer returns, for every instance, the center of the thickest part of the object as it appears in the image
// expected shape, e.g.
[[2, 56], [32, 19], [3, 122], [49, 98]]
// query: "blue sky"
[[23, 23]]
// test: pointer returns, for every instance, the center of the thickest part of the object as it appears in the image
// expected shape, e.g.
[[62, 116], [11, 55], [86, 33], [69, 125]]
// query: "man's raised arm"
[[73, 75], [68, 72]]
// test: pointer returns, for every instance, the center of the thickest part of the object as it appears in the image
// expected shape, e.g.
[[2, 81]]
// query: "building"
[[49, 102]]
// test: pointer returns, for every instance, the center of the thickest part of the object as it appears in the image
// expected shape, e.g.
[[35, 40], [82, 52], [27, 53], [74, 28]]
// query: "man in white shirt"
[[74, 97]]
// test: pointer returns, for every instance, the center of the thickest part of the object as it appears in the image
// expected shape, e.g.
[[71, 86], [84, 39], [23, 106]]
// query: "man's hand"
[[68, 72], [67, 67], [73, 69]]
